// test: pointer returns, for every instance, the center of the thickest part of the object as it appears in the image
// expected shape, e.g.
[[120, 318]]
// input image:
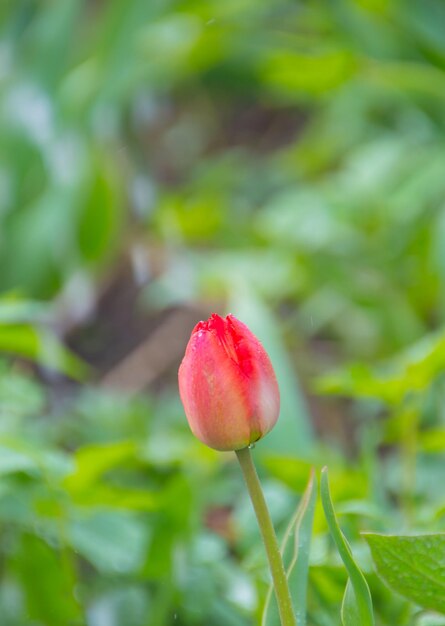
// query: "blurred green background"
[[161, 159]]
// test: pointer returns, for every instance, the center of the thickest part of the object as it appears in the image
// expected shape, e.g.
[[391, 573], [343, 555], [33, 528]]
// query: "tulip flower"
[[227, 385], [231, 399]]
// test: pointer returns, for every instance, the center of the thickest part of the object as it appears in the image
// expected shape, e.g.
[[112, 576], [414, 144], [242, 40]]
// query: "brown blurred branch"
[[153, 356]]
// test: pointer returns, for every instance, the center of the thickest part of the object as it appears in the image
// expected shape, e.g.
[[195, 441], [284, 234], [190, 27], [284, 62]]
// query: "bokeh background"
[[162, 159]]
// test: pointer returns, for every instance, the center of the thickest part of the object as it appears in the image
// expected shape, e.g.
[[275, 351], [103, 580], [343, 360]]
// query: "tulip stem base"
[[269, 537]]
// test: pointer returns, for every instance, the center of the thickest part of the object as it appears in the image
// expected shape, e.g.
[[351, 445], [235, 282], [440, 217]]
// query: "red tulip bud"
[[227, 385]]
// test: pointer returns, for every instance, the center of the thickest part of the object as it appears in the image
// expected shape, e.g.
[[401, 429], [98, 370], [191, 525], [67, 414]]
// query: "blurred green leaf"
[[20, 396], [41, 346], [357, 600], [350, 611], [413, 566], [100, 218], [411, 77], [413, 371], [48, 583], [113, 542], [432, 440], [294, 74], [16, 460], [16, 310], [24, 332], [93, 461], [87, 484]]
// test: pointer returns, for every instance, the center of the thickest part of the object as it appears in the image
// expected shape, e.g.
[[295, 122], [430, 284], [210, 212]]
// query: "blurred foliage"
[[25, 331], [283, 159]]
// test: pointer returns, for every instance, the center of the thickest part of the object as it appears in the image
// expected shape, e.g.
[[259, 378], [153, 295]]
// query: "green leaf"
[[20, 396], [24, 332], [298, 569], [15, 460], [112, 541], [47, 578], [300, 528], [101, 215], [293, 74], [413, 566], [357, 601], [41, 346], [92, 461], [414, 370], [16, 310], [87, 484], [350, 614]]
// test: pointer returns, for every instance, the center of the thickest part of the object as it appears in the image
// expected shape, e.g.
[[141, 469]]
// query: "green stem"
[[281, 587]]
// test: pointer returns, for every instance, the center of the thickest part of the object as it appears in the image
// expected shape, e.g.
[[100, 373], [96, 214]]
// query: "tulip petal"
[[213, 398], [227, 384], [263, 391]]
